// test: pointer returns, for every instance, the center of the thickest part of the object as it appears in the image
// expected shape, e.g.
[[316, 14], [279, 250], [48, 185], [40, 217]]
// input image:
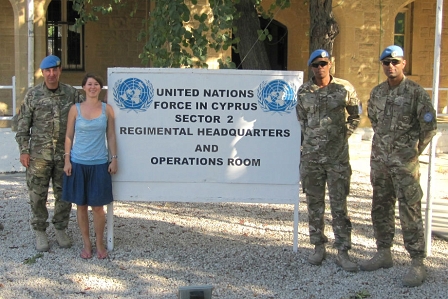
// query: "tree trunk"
[[323, 26], [251, 50]]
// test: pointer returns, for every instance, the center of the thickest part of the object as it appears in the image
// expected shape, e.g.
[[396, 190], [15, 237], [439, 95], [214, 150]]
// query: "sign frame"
[[197, 104]]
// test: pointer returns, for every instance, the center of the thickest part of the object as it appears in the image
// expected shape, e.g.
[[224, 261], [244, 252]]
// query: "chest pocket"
[[44, 111], [402, 112], [312, 111], [336, 108], [336, 97], [335, 104]]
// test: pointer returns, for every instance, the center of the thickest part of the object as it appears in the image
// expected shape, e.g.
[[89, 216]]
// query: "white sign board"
[[206, 135]]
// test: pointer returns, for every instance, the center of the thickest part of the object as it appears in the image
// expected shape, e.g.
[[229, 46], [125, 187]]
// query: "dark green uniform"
[[404, 121], [325, 154], [41, 126]]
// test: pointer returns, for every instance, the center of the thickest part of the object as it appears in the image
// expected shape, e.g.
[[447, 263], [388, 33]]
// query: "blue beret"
[[50, 61], [392, 51], [319, 53]]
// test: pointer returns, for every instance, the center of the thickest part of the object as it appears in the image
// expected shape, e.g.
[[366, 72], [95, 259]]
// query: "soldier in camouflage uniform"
[[404, 122], [321, 109], [41, 127]]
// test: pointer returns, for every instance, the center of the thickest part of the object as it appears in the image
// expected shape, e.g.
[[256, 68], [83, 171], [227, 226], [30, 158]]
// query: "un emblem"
[[277, 96], [133, 94]]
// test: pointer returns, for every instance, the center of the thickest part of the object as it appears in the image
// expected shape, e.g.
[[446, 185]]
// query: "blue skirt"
[[88, 185]]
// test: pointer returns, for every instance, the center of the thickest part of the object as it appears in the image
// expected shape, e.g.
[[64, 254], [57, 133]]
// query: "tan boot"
[[416, 274], [382, 259], [343, 260], [318, 255], [41, 241], [63, 239]]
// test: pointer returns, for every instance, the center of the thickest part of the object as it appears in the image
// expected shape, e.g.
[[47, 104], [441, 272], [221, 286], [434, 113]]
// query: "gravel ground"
[[242, 250]]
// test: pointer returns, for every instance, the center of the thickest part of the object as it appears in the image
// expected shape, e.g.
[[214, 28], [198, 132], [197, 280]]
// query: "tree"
[[230, 23], [323, 26], [251, 47]]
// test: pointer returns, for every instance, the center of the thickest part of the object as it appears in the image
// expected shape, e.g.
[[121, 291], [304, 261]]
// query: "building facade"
[[366, 27]]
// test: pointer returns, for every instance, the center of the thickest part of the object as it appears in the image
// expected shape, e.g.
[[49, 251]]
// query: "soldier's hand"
[[25, 160]]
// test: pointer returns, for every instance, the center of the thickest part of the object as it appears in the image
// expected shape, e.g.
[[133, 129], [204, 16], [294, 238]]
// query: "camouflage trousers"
[[38, 176], [390, 183], [314, 177]]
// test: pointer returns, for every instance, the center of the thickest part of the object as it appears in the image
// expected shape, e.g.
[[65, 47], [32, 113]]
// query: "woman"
[[87, 178]]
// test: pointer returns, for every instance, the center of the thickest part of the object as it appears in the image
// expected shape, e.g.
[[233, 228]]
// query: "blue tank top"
[[89, 145]]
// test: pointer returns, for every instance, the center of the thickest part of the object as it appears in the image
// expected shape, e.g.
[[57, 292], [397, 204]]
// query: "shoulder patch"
[[428, 117]]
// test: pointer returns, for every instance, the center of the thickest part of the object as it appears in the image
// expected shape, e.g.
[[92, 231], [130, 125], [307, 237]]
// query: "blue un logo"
[[277, 96], [133, 94]]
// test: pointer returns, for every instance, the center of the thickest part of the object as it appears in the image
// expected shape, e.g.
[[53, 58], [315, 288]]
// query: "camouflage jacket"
[[403, 120], [42, 120], [324, 123]]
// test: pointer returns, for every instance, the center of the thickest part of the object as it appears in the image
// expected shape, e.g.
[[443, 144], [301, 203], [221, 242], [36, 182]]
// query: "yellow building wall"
[[366, 28], [110, 42], [6, 48]]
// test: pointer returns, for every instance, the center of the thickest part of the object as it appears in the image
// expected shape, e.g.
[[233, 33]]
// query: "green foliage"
[[32, 260], [88, 12], [168, 38], [263, 34], [176, 37], [226, 64]]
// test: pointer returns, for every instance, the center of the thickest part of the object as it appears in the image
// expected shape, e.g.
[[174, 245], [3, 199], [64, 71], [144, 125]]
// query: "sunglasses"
[[388, 62], [319, 64]]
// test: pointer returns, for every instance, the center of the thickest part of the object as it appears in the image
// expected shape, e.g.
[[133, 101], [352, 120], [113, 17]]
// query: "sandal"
[[85, 254], [101, 255]]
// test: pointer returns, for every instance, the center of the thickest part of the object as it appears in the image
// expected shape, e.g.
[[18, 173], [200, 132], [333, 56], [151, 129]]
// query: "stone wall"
[[6, 61], [423, 51]]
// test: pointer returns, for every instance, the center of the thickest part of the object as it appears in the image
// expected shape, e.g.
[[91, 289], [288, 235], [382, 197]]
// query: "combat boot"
[[41, 240], [1, 226], [381, 259], [318, 255], [62, 238], [416, 274], [343, 260]]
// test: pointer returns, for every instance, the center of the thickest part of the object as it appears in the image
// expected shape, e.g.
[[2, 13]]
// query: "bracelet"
[[66, 154], [114, 157]]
